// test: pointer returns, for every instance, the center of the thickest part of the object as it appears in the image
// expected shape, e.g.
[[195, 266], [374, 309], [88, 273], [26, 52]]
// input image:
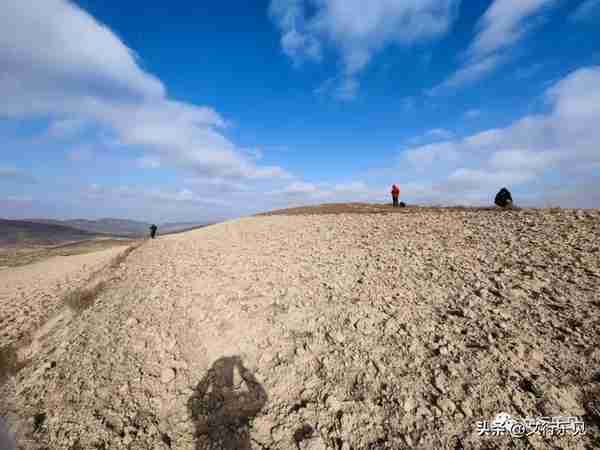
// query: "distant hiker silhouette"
[[223, 404], [153, 229], [395, 194], [503, 198]]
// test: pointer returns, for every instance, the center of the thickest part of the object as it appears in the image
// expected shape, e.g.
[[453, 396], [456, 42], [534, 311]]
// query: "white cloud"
[[299, 187], [580, 194], [134, 194], [504, 23], [440, 133], [424, 156], [521, 159], [588, 11], [53, 42], [340, 88], [473, 113], [562, 142], [357, 29], [303, 193], [347, 90], [465, 180], [59, 62], [354, 187], [435, 134], [472, 71], [218, 185], [295, 41]]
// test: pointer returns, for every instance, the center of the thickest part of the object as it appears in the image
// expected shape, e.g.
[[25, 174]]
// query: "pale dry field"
[[21, 255], [335, 331], [33, 293]]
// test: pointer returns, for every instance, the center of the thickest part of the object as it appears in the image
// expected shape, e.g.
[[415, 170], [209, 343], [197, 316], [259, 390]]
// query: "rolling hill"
[[120, 227], [111, 226], [20, 232]]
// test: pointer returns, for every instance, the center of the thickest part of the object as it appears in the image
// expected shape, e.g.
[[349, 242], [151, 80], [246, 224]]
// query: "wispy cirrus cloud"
[[588, 11], [470, 72], [473, 113], [356, 30], [440, 133], [503, 25]]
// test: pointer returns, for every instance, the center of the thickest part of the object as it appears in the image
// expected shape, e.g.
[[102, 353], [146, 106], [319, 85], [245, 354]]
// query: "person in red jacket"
[[395, 195]]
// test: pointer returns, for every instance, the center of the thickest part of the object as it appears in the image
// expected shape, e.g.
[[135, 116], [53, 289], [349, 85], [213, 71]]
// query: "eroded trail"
[[334, 331], [31, 294]]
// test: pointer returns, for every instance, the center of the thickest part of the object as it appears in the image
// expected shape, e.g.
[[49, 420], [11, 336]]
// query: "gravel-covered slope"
[[330, 332]]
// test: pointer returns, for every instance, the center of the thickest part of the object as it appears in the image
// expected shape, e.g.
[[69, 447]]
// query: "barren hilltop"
[[337, 327]]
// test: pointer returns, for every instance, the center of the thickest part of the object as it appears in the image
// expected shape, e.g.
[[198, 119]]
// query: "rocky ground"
[[32, 294], [335, 331]]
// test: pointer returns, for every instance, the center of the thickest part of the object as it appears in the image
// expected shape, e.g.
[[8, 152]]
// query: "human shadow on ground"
[[223, 403]]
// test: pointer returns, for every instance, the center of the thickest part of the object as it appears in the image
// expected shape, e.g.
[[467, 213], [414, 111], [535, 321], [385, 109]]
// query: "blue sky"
[[210, 110]]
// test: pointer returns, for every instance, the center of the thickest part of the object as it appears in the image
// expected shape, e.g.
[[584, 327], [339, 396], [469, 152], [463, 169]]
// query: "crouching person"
[[503, 198]]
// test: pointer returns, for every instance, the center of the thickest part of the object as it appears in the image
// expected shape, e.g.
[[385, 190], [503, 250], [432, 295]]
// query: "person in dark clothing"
[[503, 198], [153, 229], [395, 195]]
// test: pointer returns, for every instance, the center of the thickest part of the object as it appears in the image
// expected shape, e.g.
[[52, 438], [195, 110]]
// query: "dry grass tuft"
[[82, 298], [121, 257], [9, 362]]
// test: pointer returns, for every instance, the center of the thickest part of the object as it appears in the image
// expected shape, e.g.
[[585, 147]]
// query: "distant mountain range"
[[51, 231], [109, 226], [20, 232]]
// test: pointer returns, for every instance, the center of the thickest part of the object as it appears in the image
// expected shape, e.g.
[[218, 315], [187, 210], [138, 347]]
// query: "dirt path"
[[330, 332], [30, 294]]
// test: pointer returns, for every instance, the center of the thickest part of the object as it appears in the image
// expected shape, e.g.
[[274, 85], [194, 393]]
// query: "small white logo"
[[517, 427]]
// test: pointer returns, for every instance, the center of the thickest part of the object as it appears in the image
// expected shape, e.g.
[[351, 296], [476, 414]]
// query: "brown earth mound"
[[371, 208], [335, 331]]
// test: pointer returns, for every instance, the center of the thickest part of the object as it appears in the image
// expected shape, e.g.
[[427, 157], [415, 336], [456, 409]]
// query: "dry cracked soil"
[[332, 331]]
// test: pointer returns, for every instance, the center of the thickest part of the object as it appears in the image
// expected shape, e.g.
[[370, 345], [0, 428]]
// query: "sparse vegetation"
[[9, 362], [82, 298], [121, 257], [15, 256]]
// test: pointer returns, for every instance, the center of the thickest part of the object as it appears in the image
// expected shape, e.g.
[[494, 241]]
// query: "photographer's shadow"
[[223, 405]]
